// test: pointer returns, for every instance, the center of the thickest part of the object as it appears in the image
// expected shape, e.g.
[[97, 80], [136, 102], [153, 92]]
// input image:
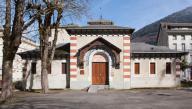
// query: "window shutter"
[[152, 68], [168, 68], [137, 68]]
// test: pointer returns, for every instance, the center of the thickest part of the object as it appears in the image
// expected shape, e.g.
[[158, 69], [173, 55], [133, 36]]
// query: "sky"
[[132, 13]]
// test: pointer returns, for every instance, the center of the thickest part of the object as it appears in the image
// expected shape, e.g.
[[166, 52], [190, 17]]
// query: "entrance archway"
[[100, 69], [88, 60]]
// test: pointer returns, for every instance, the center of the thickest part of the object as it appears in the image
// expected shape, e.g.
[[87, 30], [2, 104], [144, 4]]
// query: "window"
[[49, 69], [175, 46], [168, 68], [137, 68], [191, 46], [33, 67], [190, 58], [182, 37], [152, 68], [64, 68], [183, 46], [174, 37]]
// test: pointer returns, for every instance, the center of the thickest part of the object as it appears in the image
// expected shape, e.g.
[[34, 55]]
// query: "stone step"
[[96, 88]]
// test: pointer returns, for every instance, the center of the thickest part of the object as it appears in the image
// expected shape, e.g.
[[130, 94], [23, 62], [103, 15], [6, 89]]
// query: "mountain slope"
[[149, 33]]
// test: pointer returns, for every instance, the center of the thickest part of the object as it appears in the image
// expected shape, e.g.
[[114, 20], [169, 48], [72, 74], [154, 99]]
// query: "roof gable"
[[101, 41]]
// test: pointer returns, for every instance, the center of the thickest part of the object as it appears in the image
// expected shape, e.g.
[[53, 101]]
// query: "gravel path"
[[128, 99]]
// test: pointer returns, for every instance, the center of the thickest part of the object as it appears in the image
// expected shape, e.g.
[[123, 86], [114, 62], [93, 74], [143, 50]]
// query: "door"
[[99, 73]]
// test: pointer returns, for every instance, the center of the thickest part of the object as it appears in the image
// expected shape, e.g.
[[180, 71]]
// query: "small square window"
[[191, 46], [137, 68], [174, 37], [81, 72], [168, 68], [183, 46], [152, 68], [175, 46], [182, 37]]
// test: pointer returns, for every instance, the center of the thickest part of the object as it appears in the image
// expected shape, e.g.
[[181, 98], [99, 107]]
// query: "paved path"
[[129, 99]]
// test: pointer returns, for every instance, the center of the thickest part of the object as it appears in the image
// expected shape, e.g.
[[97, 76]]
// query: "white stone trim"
[[72, 54], [126, 41], [127, 60], [88, 62], [126, 67], [126, 54], [73, 66], [73, 60], [73, 73], [127, 47], [73, 47]]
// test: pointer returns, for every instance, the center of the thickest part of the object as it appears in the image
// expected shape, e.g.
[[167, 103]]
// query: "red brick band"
[[126, 70], [126, 76], [126, 44], [126, 38], [73, 38], [73, 76]]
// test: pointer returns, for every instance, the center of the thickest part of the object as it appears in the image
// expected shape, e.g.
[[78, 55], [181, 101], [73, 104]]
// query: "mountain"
[[148, 33]]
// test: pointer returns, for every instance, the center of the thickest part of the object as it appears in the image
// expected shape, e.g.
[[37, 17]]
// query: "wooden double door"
[[100, 73]]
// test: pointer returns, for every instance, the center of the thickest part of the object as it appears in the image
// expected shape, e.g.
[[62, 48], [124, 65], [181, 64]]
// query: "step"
[[96, 88]]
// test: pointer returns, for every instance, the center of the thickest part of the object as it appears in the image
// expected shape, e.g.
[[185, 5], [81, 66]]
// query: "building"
[[154, 66], [178, 36], [101, 54], [26, 45]]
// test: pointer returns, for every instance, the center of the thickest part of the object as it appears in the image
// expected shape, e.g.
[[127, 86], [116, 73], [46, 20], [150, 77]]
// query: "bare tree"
[[12, 30], [50, 13]]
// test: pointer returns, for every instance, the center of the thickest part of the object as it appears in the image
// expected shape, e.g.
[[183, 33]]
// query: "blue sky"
[[133, 13]]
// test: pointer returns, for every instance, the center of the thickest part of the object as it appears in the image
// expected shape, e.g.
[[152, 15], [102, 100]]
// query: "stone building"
[[178, 36], [101, 54], [26, 45]]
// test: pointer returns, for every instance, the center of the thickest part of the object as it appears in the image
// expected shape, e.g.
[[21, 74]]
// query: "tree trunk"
[[7, 87], [44, 76], [44, 62]]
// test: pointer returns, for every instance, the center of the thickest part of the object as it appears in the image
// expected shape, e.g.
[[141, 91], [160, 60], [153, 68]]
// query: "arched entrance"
[[100, 69]]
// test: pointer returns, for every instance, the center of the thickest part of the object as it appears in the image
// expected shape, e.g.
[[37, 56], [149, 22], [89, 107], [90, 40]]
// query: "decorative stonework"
[[178, 69], [126, 57], [73, 58], [101, 43]]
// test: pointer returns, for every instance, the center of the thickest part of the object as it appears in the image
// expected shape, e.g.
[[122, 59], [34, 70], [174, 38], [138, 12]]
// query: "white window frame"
[[152, 61], [137, 75]]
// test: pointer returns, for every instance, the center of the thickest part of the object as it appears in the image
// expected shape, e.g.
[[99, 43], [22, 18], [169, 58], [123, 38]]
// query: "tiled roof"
[[146, 48], [177, 24], [98, 27]]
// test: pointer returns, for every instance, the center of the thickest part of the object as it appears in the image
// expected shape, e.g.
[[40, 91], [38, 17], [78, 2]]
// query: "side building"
[[178, 36], [18, 63]]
